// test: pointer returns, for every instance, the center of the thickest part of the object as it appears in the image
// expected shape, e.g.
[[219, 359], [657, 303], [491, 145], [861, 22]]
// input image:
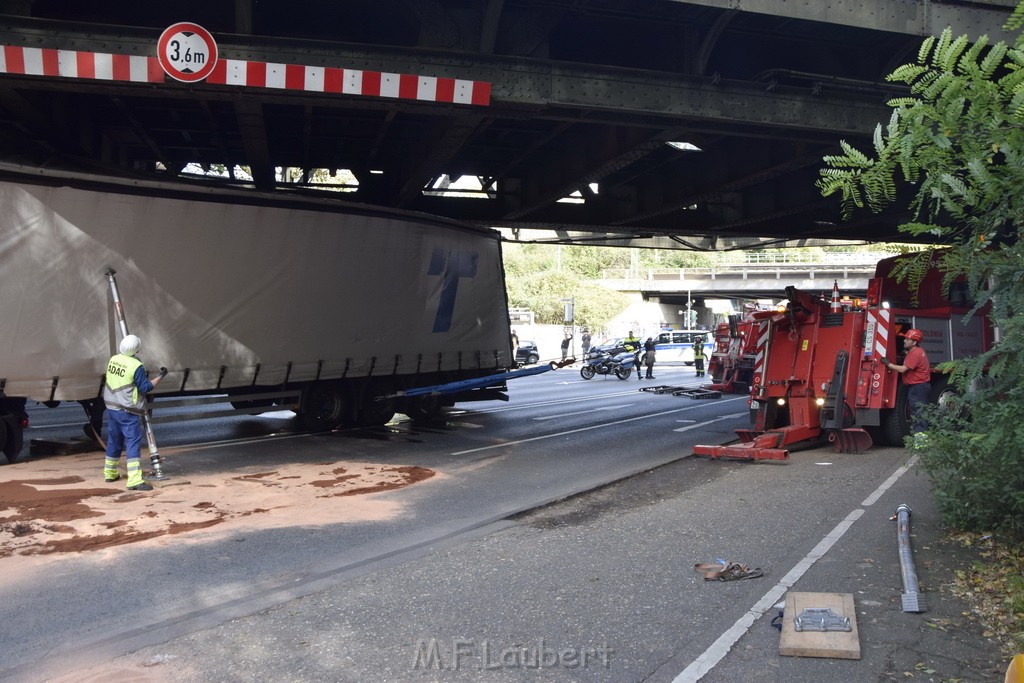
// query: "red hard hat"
[[915, 334]]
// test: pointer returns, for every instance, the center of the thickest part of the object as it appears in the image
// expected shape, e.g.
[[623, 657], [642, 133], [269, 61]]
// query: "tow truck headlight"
[[780, 401], [819, 401]]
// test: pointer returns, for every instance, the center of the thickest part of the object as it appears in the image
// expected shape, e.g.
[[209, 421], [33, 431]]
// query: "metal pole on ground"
[[912, 599]]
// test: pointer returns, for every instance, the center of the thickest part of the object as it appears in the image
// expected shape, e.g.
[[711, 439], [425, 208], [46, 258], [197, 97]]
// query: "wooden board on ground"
[[838, 644]]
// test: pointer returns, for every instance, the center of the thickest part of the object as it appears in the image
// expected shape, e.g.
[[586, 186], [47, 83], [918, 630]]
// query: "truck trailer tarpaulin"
[[234, 289]]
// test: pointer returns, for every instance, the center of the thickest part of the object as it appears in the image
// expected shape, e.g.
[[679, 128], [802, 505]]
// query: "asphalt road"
[[479, 566]]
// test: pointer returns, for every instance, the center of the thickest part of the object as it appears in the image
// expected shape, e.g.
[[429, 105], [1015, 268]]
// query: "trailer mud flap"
[[850, 440]]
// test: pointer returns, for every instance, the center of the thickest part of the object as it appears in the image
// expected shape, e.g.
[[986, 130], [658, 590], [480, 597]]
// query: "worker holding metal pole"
[[124, 394]]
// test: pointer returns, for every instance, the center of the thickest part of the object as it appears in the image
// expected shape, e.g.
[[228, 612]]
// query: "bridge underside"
[[585, 97]]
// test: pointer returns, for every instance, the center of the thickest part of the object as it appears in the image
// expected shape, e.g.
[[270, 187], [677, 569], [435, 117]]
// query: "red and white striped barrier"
[[879, 321], [761, 355], [34, 61]]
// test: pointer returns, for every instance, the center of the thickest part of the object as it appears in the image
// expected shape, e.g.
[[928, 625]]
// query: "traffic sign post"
[[187, 52]]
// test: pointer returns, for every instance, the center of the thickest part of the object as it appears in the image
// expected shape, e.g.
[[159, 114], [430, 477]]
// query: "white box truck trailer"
[[251, 295]]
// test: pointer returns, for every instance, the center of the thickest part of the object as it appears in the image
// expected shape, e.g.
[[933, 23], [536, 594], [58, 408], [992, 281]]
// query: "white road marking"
[[598, 426], [707, 422], [720, 648], [583, 412]]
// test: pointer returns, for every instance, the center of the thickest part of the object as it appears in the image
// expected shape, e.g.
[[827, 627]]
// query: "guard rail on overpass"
[[760, 276]]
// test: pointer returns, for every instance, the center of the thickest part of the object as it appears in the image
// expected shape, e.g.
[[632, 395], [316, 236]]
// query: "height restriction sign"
[[187, 52]]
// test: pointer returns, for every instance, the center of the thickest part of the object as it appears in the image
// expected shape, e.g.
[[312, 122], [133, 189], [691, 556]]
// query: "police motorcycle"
[[618, 361]]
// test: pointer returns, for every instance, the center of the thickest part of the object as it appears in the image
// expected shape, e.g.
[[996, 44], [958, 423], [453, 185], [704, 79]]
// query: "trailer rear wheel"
[[12, 440], [423, 408], [323, 406], [376, 411]]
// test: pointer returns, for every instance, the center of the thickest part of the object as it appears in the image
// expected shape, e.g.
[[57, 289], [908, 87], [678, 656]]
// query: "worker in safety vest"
[[917, 376], [698, 355], [632, 343], [124, 393]]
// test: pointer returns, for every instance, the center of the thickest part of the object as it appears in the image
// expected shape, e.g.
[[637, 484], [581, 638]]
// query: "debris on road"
[[727, 571], [47, 509]]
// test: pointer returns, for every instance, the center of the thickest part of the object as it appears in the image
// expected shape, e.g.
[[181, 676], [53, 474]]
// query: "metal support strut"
[[154, 454], [912, 599]]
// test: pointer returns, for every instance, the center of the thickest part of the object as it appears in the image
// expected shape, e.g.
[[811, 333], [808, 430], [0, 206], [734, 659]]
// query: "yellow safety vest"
[[698, 350], [119, 391]]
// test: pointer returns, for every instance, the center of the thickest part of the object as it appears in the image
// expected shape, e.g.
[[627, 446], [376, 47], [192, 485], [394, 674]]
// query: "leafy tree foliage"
[[536, 281], [539, 276], [958, 139]]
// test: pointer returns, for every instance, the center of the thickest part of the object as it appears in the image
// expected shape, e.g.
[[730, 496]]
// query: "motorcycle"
[[618, 362]]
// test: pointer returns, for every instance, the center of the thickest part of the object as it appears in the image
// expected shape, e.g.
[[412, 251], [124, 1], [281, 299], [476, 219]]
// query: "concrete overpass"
[[537, 101], [760, 277]]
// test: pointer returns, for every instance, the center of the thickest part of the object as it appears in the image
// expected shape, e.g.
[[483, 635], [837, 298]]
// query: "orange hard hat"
[[915, 334]]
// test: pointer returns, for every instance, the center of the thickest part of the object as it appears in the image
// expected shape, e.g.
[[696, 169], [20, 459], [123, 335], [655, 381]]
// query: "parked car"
[[607, 345], [527, 353]]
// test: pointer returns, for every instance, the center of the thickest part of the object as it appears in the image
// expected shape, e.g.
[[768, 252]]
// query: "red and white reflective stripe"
[[34, 61], [761, 351], [881, 319]]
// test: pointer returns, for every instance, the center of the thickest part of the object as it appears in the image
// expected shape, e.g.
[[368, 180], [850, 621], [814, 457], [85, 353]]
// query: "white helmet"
[[130, 345]]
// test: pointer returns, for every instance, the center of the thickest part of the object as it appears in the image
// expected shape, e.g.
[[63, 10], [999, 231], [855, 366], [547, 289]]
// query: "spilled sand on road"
[[61, 505]]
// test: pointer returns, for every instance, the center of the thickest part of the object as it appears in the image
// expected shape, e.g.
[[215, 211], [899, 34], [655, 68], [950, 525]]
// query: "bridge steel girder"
[[912, 17], [539, 88], [552, 126]]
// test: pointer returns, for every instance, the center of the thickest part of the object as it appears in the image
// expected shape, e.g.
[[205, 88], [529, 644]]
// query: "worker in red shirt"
[[917, 376]]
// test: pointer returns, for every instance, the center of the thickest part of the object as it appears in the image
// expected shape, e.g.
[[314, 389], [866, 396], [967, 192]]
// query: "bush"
[[974, 459]]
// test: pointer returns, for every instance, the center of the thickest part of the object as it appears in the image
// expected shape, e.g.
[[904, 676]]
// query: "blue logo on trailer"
[[451, 265]]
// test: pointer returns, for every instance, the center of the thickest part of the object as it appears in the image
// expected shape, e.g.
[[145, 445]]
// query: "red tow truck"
[[818, 374], [731, 366]]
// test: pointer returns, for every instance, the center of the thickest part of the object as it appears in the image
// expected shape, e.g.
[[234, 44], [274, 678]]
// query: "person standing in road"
[[565, 345], [632, 343], [585, 342], [917, 376], [649, 357], [515, 344], [124, 393], [698, 355]]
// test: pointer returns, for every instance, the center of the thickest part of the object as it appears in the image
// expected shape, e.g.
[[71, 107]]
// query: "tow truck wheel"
[[623, 373], [946, 397], [322, 407], [896, 420], [587, 372]]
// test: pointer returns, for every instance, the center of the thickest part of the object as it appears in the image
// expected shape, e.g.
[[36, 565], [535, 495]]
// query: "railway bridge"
[[696, 124]]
